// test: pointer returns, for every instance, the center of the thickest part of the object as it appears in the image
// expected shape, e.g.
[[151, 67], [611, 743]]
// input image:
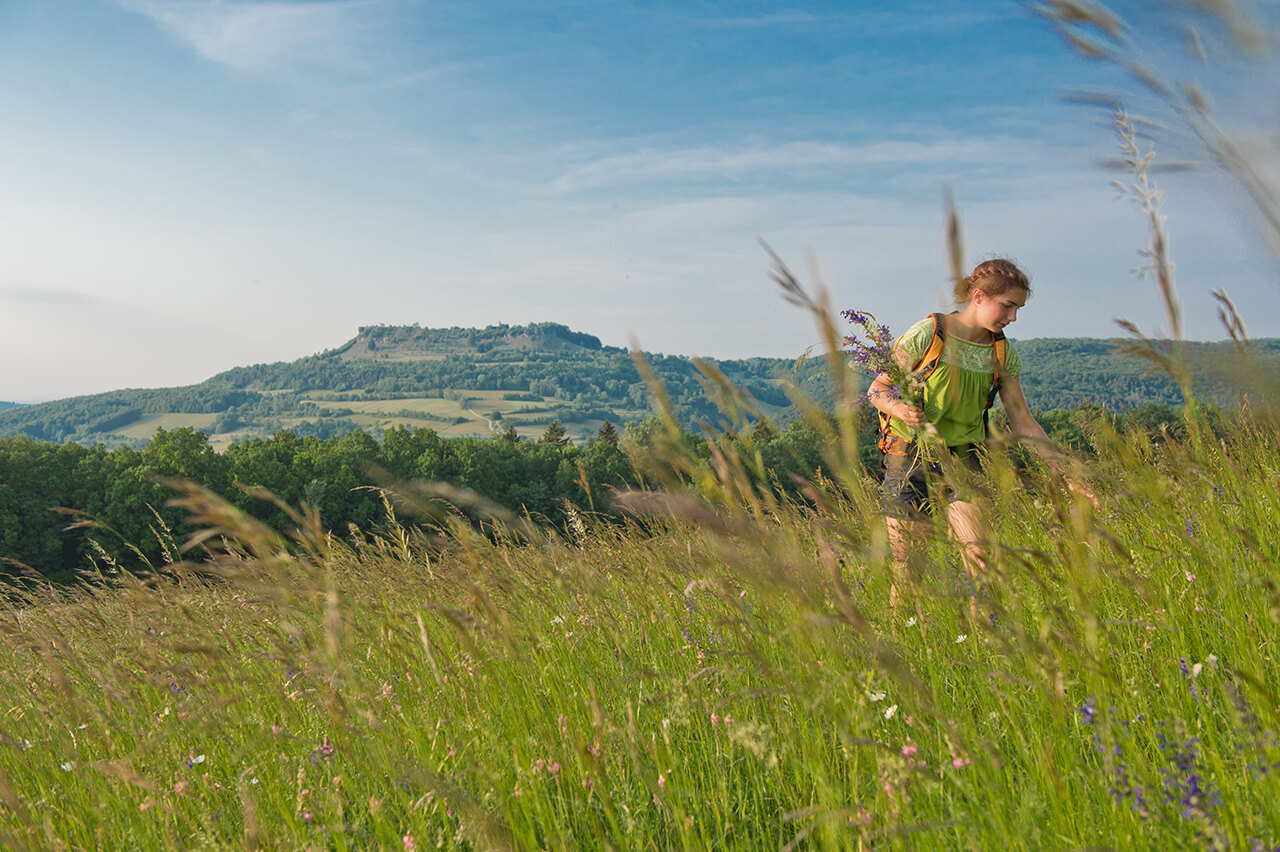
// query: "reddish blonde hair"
[[992, 277]]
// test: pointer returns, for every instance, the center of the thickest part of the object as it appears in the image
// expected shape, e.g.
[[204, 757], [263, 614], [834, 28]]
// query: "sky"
[[188, 186]]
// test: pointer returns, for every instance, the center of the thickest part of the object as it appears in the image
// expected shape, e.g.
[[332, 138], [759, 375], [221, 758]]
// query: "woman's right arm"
[[888, 400]]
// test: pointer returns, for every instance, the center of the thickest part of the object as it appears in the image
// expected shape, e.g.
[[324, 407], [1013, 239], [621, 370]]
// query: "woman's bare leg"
[[970, 531], [905, 537]]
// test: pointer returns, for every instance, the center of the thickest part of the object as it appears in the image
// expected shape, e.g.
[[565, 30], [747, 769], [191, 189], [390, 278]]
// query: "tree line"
[[61, 504]]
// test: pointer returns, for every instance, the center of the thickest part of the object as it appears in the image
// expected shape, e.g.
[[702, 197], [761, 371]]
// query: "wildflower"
[[877, 696], [409, 842], [888, 713], [960, 762], [911, 622], [181, 788], [68, 766], [1087, 711], [715, 720], [961, 638], [307, 816], [662, 779], [1190, 577], [910, 749], [1189, 675]]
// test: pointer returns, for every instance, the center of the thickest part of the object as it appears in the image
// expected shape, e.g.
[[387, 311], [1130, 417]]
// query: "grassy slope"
[[731, 678]]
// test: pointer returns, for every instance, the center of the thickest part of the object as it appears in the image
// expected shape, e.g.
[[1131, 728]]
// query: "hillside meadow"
[[721, 671]]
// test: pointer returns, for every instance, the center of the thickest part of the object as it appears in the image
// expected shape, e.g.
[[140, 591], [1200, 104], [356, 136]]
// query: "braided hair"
[[992, 277]]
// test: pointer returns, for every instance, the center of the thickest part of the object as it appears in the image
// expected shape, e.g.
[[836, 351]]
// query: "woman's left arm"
[[1015, 406]]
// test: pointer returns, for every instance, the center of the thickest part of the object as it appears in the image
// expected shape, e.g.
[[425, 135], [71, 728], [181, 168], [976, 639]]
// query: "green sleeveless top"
[[956, 394]]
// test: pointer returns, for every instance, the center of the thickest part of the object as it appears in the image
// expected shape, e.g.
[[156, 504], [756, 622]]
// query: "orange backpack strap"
[[933, 355]]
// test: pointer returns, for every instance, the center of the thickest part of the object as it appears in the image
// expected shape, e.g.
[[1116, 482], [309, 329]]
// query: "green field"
[[728, 675], [146, 425]]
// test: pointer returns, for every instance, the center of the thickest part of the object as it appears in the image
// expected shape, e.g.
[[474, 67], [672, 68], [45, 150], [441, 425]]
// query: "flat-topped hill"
[[406, 343]]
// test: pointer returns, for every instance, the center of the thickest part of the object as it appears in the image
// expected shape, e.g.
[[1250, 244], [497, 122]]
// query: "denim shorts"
[[907, 477]]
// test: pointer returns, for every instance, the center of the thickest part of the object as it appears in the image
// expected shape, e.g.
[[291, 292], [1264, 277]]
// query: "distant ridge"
[[405, 342], [475, 382]]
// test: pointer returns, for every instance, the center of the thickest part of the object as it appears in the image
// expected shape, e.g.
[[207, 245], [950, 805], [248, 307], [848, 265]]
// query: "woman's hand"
[[912, 415], [1079, 486]]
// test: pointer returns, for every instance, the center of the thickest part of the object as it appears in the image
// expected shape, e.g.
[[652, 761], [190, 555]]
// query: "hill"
[[459, 381]]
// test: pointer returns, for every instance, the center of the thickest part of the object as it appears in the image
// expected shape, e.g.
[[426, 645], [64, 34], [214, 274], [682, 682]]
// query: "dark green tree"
[[555, 434], [608, 434]]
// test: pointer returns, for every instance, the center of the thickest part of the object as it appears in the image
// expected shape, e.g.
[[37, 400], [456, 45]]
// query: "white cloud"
[[261, 36], [803, 157]]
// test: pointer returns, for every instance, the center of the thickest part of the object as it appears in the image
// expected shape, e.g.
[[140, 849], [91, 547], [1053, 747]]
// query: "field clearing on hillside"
[[146, 425], [432, 406], [482, 402]]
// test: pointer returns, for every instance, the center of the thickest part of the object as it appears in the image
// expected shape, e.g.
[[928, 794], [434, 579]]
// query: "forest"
[[66, 507]]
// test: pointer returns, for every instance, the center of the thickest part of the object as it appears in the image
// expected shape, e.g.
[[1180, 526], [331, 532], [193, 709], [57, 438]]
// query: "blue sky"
[[191, 185]]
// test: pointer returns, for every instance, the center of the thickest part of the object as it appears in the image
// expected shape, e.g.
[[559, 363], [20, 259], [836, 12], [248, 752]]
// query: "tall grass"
[[727, 675], [721, 671]]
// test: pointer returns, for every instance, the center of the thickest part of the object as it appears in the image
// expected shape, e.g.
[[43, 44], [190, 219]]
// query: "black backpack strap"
[[999, 354]]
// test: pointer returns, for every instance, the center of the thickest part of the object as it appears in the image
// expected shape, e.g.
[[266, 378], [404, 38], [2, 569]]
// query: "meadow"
[[722, 671]]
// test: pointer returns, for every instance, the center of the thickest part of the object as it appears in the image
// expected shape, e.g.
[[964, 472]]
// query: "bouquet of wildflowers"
[[870, 349]]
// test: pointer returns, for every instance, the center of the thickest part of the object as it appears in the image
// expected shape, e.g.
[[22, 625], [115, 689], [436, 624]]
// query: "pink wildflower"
[[960, 762], [409, 842], [909, 749]]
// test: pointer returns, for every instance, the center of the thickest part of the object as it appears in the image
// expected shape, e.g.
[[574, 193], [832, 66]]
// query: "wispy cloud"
[[793, 158], [44, 296], [256, 37], [864, 22]]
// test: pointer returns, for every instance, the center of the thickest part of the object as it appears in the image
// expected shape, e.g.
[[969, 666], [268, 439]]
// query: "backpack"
[[895, 446]]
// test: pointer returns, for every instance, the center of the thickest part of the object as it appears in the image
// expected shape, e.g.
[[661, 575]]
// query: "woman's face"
[[996, 312]]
